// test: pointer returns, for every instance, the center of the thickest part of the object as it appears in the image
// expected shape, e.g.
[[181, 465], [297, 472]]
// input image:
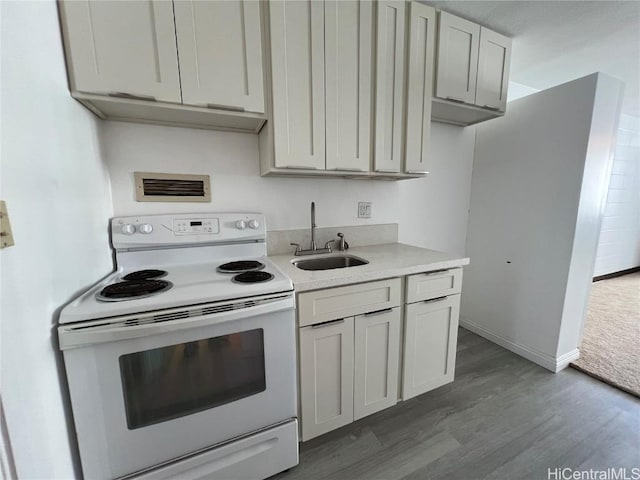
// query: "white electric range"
[[182, 362]]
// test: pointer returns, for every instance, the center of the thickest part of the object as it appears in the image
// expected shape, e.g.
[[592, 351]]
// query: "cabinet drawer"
[[424, 286], [340, 302]]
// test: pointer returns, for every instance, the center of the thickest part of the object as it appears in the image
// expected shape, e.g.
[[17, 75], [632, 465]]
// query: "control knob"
[[254, 224], [241, 224], [128, 229], [146, 228]]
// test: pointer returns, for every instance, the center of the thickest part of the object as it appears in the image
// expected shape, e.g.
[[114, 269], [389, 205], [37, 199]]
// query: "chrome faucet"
[[313, 248]]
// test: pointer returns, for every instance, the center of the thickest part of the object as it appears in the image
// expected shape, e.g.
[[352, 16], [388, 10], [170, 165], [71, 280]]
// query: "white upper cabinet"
[[348, 76], [422, 36], [122, 48], [493, 70], [297, 64], [219, 47], [389, 118], [458, 42]]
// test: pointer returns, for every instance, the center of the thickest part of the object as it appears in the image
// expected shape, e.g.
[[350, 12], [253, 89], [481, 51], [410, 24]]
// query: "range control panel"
[[196, 226], [181, 229]]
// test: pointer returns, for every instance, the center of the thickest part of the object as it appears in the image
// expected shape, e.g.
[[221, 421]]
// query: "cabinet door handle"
[[489, 107], [433, 300], [225, 107], [387, 170], [301, 167], [436, 272], [343, 169], [132, 96], [377, 312], [455, 99], [330, 322]]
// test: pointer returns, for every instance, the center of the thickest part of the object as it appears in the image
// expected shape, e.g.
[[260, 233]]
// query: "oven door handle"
[[81, 335]]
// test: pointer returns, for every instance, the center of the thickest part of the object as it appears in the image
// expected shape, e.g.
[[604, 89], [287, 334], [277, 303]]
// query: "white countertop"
[[385, 261]]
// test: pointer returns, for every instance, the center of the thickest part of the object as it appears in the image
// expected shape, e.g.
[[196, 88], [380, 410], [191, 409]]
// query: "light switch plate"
[[364, 209], [6, 237]]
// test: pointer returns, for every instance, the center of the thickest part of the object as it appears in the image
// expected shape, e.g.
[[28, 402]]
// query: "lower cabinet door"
[[377, 355], [326, 376], [431, 333]]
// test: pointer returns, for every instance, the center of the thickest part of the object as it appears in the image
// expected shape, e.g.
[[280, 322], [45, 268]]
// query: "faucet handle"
[[328, 245], [297, 245]]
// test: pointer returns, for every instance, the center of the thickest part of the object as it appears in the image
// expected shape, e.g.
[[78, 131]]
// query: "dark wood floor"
[[503, 418]]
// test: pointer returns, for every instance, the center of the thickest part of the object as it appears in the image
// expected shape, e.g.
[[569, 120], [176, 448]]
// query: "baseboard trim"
[[563, 361], [616, 274], [553, 364]]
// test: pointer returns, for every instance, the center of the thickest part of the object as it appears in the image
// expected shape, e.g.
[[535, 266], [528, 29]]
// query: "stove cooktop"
[[180, 285]]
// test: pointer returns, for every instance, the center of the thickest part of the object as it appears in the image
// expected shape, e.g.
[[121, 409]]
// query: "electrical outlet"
[[364, 209], [6, 237]]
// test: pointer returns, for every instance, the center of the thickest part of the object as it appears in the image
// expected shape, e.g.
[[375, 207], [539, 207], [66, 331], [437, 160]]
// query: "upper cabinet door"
[[493, 70], [220, 52], [297, 63], [389, 85], [348, 76], [116, 47], [422, 37], [457, 59]]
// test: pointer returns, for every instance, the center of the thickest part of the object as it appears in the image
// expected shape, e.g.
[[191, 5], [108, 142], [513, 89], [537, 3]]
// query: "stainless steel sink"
[[328, 263]]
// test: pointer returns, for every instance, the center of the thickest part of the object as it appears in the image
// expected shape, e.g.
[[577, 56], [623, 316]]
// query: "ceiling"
[[558, 41]]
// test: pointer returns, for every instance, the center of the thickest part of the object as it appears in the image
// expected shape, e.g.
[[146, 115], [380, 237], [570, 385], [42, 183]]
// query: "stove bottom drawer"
[[252, 458]]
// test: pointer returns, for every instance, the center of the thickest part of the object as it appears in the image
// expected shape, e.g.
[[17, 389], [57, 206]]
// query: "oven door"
[[148, 388]]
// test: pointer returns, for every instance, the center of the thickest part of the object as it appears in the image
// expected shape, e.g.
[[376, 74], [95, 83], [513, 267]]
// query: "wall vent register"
[[172, 187]]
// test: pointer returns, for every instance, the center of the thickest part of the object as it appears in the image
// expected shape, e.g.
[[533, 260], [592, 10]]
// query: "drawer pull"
[[433, 300], [435, 272], [330, 322], [377, 312]]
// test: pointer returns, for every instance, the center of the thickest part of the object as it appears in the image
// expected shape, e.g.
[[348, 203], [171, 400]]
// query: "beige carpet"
[[610, 348]]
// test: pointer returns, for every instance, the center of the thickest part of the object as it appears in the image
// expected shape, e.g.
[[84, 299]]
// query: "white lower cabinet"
[[353, 366], [326, 376], [377, 355], [431, 333], [348, 369]]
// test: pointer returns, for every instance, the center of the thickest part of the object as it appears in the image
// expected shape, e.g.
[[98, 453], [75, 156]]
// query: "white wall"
[[518, 90], [619, 246], [57, 193], [432, 212], [535, 219], [435, 210]]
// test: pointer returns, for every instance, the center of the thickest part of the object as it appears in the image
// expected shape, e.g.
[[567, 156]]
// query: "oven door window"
[[171, 382]]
